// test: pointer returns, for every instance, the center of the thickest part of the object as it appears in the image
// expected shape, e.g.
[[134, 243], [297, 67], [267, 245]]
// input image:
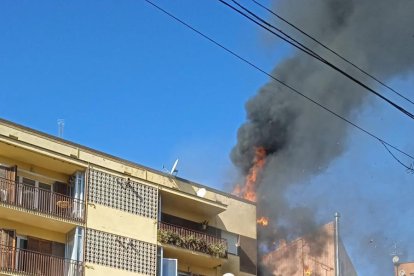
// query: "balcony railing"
[[40, 200], [190, 239], [25, 262]]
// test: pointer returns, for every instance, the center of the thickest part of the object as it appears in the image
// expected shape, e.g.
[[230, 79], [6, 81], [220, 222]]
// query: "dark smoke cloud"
[[301, 139]]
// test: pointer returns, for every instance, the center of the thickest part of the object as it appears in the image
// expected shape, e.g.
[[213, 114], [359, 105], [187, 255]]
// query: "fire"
[[263, 221], [248, 190]]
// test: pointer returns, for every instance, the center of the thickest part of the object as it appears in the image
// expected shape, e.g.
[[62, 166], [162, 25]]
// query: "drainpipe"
[[336, 243]]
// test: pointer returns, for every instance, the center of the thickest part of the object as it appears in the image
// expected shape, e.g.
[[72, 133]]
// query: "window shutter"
[[45, 247], [7, 237], [7, 255], [12, 173], [8, 176], [33, 244], [3, 172], [39, 245], [61, 188], [58, 249]]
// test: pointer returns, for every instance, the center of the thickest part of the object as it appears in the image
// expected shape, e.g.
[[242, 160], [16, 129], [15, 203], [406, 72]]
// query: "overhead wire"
[[290, 88], [410, 168], [334, 52], [310, 52]]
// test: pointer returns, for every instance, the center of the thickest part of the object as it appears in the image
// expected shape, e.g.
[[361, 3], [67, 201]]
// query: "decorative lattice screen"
[[120, 252], [123, 194]]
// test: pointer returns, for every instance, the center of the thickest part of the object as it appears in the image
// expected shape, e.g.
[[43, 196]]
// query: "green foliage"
[[191, 242], [217, 249]]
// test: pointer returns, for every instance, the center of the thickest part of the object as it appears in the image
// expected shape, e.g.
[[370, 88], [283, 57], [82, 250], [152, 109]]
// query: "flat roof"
[[131, 163]]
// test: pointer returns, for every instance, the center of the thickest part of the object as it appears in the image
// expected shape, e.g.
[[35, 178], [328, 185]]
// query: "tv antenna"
[[396, 252], [61, 125], [173, 170]]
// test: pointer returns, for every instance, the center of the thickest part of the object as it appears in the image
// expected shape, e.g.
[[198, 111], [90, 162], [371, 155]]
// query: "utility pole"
[[337, 264]]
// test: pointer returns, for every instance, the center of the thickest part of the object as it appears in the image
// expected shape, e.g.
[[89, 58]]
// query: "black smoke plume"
[[301, 139]]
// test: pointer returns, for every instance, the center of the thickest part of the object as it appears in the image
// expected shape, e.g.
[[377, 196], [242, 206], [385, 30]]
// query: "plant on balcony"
[[217, 249], [204, 224], [191, 242], [169, 237]]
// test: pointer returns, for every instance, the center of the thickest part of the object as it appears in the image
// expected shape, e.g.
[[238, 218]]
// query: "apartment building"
[[66, 209]]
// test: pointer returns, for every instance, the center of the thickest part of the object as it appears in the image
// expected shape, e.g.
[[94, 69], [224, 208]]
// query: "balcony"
[[25, 262], [193, 246], [40, 200]]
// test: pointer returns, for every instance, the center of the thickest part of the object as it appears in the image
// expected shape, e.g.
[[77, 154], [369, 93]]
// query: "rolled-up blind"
[[169, 267]]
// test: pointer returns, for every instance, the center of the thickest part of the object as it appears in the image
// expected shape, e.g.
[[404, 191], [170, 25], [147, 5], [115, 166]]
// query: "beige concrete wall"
[[33, 171], [26, 230], [122, 223], [239, 218], [232, 265], [182, 266], [100, 270]]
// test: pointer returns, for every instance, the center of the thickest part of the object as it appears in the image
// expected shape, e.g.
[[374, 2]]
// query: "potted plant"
[[204, 224]]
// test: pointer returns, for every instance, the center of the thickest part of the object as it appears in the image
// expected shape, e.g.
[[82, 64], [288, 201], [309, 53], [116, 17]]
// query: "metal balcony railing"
[[40, 200], [190, 239], [25, 262]]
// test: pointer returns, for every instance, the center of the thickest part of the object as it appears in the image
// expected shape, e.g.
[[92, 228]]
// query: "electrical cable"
[[410, 168], [334, 52], [277, 80], [309, 52]]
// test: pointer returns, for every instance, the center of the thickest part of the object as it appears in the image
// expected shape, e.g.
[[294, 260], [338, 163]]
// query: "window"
[[29, 182], [45, 186], [169, 267], [21, 242], [34, 194], [232, 242]]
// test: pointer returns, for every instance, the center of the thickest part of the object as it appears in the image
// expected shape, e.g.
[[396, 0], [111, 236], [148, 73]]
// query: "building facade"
[[312, 255], [404, 269], [66, 209]]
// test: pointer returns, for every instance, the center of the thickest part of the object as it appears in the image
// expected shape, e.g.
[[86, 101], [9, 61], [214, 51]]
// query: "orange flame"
[[248, 190], [307, 270], [263, 221]]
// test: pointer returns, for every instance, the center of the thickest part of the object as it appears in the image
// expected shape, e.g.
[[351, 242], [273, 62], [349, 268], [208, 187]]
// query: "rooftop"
[[112, 157]]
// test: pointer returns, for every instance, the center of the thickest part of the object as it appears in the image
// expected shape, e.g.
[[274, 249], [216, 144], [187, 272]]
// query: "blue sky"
[[126, 73], [129, 81]]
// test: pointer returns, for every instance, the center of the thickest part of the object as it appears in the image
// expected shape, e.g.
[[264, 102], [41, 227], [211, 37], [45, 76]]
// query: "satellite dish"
[[395, 259], [202, 193], [402, 273], [174, 168]]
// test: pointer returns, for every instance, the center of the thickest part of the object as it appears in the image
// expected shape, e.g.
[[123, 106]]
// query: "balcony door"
[[7, 184], [27, 193], [21, 255], [34, 195], [46, 253]]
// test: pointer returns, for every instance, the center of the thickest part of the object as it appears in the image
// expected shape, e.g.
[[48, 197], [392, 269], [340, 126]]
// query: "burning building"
[[403, 268], [306, 256], [286, 142]]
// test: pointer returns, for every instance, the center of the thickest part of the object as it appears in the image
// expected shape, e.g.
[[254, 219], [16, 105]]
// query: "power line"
[[310, 52], [333, 52], [277, 80], [410, 168]]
